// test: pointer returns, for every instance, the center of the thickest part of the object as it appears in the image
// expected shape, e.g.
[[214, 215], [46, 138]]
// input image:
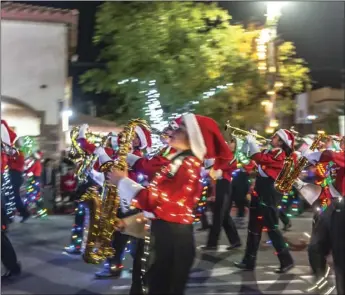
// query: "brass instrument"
[[289, 174], [103, 212], [8, 149], [241, 134], [77, 155]]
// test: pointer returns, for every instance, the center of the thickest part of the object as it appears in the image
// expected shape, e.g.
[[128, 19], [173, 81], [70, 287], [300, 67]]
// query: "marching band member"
[[240, 182], [8, 254], [142, 142], [263, 205], [222, 172], [16, 164], [328, 234], [171, 196]]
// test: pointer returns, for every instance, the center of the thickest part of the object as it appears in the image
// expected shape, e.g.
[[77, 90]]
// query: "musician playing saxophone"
[[328, 234], [171, 197], [263, 206], [142, 143]]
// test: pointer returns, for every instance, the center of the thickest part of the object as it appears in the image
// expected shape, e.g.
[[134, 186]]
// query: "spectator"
[[68, 186]]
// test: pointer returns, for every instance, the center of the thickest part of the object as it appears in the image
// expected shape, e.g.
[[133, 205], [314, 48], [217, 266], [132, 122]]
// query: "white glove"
[[98, 177], [82, 131], [305, 152], [102, 155], [250, 138], [253, 148]]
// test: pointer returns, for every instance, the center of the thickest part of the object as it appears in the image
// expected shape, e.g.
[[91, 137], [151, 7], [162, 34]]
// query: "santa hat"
[[38, 155], [8, 136], [287, 137], [205, 138], [144, 136]]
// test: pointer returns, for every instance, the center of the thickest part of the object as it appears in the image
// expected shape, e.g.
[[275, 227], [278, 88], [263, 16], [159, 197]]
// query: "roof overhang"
[[34, 13]]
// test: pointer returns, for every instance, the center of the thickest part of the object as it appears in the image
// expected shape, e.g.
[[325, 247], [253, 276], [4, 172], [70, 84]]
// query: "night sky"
[[316, 28]]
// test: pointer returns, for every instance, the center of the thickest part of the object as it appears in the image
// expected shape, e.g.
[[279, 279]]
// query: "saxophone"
[[289, 173], [103, 213]]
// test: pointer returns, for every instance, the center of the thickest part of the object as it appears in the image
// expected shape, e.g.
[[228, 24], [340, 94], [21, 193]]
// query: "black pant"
[[172, 253], [17, 181], [264, 212], [8, 255], [138, 281], [282, 214], [221, 215], [240, 188], [328, 237], [118, 243]]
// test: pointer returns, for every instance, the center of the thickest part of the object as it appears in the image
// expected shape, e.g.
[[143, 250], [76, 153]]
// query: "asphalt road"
[[48, 270]]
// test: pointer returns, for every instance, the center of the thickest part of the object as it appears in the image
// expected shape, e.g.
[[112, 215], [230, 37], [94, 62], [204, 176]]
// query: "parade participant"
[[328, 234], [263, 205], [171, 197], [34, 198], [240, 182], [8, 254], [16, 165], [141, 143], [221, 172]]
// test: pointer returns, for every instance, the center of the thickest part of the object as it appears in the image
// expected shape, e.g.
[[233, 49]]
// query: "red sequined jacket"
[[270, 162], [35, 168], [339, 159], [174, 190]]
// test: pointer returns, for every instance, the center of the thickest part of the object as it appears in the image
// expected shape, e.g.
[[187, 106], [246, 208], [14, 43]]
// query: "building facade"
[[36, 46], [319, 109]]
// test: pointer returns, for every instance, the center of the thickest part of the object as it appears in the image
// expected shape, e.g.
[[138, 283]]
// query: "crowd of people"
[[166, 187]]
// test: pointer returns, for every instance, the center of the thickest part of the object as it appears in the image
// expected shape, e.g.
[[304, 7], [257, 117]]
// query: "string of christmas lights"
[[7, 194], [77, 229], [33, 199], [201, 206]]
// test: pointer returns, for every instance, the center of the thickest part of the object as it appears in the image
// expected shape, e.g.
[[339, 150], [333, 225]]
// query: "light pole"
[[273, 13]]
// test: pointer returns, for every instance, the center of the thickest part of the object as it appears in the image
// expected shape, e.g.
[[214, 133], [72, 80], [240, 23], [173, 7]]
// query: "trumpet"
[[241, 134]]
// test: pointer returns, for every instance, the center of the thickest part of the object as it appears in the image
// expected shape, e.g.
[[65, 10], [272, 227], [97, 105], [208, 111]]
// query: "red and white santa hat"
[[144, 136], [205, 137], [287, 137], [8, 136]]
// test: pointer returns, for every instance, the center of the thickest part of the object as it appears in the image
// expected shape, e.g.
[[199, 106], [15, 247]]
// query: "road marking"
[[240, 283], [256, 292]]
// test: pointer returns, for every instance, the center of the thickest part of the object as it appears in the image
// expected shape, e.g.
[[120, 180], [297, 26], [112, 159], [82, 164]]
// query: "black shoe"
[[12, 273], [107, 273], [209, 248], [285, 268], [287, 226], [234, 246], [244, 266], [202, 229]]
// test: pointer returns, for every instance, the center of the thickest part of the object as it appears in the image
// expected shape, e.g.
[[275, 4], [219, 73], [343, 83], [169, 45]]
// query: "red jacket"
[[250, 167], [68, 183], [225, 167], [270, 162], [4, 161], [339, 159], [35, 169], [17, 162], [173, 191], [89, 148]]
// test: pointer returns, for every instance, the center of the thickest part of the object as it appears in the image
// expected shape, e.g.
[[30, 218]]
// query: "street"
[[48, 270]]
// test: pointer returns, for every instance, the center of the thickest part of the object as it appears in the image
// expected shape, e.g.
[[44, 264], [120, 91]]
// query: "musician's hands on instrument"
[[82, 131], [251, 138], [120, 226], [115, 175]]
